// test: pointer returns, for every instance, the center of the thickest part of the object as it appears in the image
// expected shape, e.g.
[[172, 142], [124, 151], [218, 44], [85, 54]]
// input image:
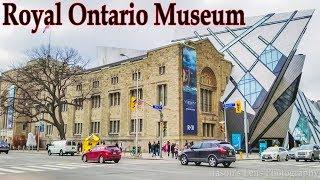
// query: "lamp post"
[[161, 132], [136, 123]]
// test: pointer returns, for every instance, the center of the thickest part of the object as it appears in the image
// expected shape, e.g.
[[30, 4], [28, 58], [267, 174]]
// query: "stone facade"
[[212, 74]]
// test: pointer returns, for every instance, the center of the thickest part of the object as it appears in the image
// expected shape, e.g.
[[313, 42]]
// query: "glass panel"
[[270, 57], [249, 88]]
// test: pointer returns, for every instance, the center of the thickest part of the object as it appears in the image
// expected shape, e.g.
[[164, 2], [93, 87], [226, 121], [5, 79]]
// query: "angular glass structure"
[[266, 73]]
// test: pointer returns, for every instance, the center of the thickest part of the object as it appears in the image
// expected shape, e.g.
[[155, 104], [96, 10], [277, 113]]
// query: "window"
[[197, 145], [79, 103], [162, 70], [136, 75], [114, 99], [250, 88], [164, 130], [114, 127], [208, 129], [24, 126], [162, 94], [77, 128], [270, 57], [65, 128], [95, 84], [133, 125], [64, 106], [49, 129], [95, 100], [95, 127], [79, 87], [36, 129], [206, 100], [206, 145], [134, 93], [114, 80]]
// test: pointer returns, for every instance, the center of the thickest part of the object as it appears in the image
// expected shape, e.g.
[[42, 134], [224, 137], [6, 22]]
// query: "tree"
[[40, 86]]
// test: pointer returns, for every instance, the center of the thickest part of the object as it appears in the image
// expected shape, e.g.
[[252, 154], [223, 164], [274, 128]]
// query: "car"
[[292, 152], [62, 147], [308, 152], [102, 154], [213, 152], [275, 154], [4, 147]]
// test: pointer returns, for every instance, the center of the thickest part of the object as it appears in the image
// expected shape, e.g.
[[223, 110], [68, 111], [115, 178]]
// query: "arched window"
[[208, 84]]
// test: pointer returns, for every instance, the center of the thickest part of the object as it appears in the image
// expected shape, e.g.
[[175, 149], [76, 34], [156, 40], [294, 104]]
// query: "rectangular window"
[[206, 100], [114, 99], [133, 93], [162, 94], [77, 128], [162, 70], [79, 103], [79, 87], [164, 130], [95, 84], [96, 101], [36, 129], [208, 129], [136, 75], [95, 127], [114, 80], [114, 127], [64, 106], [49, 129], [133, 125]]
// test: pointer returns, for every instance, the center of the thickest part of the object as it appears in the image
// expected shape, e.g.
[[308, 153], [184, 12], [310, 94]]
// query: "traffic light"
[[238, 106], [133, 103]]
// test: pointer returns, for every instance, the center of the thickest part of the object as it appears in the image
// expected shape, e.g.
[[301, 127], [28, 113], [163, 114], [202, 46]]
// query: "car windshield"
[[306, 147], [272, 149], [293, 149]]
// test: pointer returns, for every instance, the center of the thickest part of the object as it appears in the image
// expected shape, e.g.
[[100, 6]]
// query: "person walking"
[[168, 148], [176, 151], [172, 148], [154, 149], [158, 148], [149, 147]]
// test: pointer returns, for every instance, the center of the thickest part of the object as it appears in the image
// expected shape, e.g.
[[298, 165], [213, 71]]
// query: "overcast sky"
[[14, 41]]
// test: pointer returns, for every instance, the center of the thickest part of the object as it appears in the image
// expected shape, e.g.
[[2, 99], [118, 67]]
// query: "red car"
[[102, 154]]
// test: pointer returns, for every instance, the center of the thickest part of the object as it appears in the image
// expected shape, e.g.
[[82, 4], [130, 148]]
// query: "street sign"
[[157, 107], [229, 105]]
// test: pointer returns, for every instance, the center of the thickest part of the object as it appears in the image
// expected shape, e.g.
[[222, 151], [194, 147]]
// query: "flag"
[[47, 27]]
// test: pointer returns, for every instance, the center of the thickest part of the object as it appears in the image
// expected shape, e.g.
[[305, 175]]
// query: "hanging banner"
[[10, 110], [189, 71]]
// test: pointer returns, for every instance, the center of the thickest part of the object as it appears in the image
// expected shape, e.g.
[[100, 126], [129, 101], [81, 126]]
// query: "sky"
[[16, 40]]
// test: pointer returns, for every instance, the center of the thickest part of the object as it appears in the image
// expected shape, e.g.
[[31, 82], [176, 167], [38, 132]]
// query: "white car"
[[275, 154], [62, 147]]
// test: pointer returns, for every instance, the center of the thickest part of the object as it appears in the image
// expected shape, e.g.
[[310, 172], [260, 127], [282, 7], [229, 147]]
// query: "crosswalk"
[[44, 167], [280, 164]]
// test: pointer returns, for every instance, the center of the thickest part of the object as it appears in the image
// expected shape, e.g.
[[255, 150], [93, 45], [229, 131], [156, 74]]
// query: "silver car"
[[308, 152], [275, 154]]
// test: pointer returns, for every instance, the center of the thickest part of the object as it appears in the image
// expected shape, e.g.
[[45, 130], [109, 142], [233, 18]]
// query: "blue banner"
[[10, 110], [189, 71], [236, 141]]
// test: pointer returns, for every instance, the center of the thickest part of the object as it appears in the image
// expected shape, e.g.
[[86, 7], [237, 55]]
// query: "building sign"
[[189, 71], [10, 110], [236, 141]]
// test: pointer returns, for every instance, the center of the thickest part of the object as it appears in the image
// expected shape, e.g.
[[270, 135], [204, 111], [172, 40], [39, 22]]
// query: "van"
[[62, 147]]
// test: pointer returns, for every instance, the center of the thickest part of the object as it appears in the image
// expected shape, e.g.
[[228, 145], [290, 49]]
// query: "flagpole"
[[49, 46]]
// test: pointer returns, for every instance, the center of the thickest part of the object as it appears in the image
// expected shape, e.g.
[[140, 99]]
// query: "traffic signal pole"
[[225, 124], [161, 133], [246, 127]]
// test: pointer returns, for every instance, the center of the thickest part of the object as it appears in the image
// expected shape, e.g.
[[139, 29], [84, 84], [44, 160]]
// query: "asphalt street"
[[39, 166]]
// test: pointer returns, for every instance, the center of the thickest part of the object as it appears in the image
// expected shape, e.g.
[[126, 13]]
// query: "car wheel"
[[49, 153], [197, 163], [84, 158], [212, 161], [287, 158], [226, 164], [278, 158], [101, 159], [72, 154], [116, 161], [262, 160], [312, 158], [61, 153], [184, 160], [7, 152]]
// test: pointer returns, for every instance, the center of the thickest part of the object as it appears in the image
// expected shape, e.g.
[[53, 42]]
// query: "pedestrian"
[[176, 151], [117, 145], [186, 145], [168, 148], [149, 147], [191, 143], [158, 148], [78, 147], [172, 149], [154, 149]]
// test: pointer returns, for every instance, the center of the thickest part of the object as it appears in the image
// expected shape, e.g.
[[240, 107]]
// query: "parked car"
[[292, 152], [4, 147], [212, 152], [102, 154], [308, 152], [62, 147], [275, 154]]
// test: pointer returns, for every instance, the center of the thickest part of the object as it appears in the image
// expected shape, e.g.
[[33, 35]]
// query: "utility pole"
[[39, 127], [161, 132], [137, 103], [246, 127], [225, 124]]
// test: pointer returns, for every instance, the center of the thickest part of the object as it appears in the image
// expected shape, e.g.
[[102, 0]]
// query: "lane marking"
[[56, 166], [27, 169], [46, 168], [10, 170]]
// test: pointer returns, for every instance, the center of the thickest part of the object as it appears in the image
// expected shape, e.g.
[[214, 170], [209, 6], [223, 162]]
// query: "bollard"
[[241, 155]]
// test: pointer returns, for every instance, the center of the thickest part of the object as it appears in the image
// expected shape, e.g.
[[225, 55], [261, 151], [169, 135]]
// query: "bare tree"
[[40, 86]]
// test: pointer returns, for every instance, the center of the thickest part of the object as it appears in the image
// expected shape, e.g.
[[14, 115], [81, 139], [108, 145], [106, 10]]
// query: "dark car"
[[4, 147], [102, 154], [212, 152]]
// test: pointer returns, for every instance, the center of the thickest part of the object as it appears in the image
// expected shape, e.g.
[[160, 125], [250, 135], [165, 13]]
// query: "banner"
[[236, 141], [10, 110], [189, 71]]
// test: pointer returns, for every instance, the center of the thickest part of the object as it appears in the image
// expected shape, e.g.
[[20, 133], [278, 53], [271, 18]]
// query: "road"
[[39, 166]]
